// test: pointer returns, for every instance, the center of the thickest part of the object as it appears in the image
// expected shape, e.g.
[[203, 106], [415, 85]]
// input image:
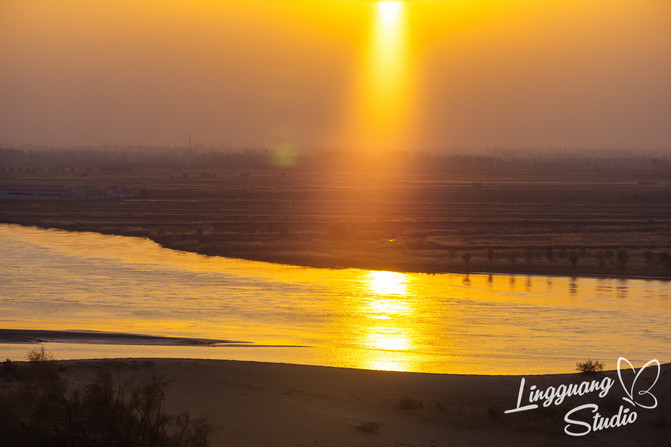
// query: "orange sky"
[[475, 73]]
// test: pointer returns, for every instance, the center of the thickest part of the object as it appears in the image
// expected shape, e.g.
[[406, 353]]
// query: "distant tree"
[[664, 258], [573, 256], [609, 256], [550, 255], [490, 255], [466, 257], [529, 256], [622, 258], [600, 258], [648, 257]]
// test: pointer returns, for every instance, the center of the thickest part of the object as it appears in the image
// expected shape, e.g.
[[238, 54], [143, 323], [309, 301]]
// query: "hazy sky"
[[477, 73]]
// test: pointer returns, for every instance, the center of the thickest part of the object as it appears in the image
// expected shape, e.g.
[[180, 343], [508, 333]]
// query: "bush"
[[108, 412], [408, 403], [370, 426], [39, 355], [43, 368], [8, 368], [133, 415], [589, 366]]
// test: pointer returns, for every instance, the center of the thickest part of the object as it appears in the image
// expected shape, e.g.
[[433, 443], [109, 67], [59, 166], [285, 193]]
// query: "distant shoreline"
[[31, 336], [431, 270]]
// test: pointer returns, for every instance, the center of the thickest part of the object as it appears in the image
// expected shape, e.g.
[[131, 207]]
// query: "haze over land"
[[509, 212], [476, 74]]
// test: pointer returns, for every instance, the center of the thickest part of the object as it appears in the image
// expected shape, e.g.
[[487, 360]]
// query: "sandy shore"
[[260, 404]]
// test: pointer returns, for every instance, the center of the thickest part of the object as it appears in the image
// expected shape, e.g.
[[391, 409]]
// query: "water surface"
[[445, 323]]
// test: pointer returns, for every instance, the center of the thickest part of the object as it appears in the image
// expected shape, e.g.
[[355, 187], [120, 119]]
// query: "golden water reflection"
[[383, 327], [55, 280], [385, 308], [387, 283]]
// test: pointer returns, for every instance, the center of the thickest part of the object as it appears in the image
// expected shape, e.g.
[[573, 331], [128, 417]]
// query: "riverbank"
[[393, 257], [252, 404]]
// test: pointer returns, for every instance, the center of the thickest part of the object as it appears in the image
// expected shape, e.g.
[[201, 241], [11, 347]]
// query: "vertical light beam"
[[388, 51], [384, 95]]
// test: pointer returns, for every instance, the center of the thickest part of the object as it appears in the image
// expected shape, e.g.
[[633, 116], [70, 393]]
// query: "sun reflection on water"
[[388, 347], [384, 309], [385, 325], [387, 361], [387, 283], [389, 339]]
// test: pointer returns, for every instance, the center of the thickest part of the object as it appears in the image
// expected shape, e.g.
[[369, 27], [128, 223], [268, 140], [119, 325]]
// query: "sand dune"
[[261, 404]]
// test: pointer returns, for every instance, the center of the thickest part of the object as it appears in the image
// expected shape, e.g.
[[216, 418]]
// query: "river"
[[443, 323]]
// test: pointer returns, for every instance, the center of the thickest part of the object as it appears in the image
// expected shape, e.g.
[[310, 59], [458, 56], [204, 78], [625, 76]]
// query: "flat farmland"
[[522, 214]]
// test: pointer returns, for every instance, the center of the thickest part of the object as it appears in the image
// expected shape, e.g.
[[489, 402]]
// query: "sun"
[[390, 12], [388, 52]]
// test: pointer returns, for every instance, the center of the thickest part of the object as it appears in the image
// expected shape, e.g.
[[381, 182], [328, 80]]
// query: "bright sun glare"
[[387, 283], [390, 12], [385, 91], [388, 52]]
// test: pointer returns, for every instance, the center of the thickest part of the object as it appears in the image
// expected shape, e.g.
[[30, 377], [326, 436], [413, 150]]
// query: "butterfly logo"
[[635, 389]]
